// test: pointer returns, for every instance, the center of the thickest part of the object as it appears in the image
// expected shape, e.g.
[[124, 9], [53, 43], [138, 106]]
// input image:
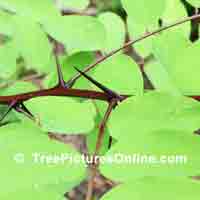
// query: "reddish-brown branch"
[[195, 97], [57, 91]]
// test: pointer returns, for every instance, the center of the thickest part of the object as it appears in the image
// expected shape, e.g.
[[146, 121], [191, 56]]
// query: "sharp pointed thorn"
[[79, 70], [61, 81], [111, 93], [23, 109], [26, 109], [99, 85], [10, 107]]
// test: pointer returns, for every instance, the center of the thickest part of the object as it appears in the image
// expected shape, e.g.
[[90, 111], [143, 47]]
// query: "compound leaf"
[[32, 162]]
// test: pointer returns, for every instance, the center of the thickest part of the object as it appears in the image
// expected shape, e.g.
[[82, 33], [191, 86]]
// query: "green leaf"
[[33, 45], [159, 77], [115, 30], [182, 188], [8, 59], [62, 114], [77, 33], [117, 71], [185, 70], [168, 46], [144, 12], [37, 10], [78, 4], [156, 153], [154, 111], [180, 59], [195, 3], [32, 162]]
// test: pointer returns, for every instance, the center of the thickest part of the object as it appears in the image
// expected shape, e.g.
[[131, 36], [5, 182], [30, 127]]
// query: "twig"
[[92, 175], [146, 35]]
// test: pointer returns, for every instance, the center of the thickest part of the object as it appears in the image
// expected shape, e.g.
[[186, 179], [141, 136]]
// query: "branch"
[[195, 97], [146, 35], [56, 91]]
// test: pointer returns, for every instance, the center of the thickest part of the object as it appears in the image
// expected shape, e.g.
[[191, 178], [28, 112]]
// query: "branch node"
[[21, 108]]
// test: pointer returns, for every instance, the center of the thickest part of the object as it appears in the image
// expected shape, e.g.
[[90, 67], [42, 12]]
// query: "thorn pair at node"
[[61, 82], [109, 92], [19, 107]]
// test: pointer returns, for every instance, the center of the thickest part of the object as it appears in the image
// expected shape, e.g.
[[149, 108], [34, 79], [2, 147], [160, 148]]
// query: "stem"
[[146, 35], [102, 127], [90, 188], [94, 166]]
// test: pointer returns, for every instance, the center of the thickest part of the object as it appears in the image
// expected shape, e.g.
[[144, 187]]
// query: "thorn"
[[111, 93], [21, 108], [61, 81], [10, 107]]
